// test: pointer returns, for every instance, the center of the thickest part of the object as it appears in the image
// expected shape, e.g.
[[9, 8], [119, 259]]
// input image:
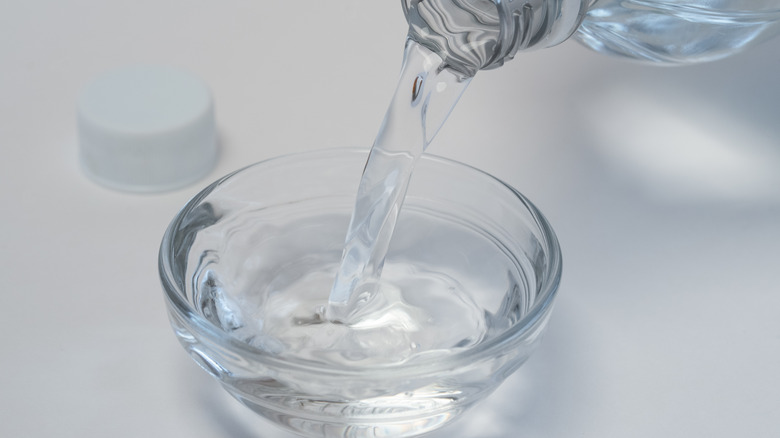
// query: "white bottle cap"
[[146, 129]]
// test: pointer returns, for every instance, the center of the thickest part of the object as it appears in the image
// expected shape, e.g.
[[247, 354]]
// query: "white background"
[[662, 183]]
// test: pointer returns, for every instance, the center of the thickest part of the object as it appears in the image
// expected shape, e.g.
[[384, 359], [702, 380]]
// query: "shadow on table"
[[544, 398]]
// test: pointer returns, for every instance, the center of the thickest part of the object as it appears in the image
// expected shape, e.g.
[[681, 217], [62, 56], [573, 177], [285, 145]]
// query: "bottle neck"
[[471, 35], [536, 24]]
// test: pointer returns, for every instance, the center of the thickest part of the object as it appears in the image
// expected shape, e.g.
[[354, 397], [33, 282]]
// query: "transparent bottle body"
[[678, 31], [481, 34]]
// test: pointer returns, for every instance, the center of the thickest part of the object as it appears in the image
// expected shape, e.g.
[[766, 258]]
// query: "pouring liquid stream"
[[426, 94]]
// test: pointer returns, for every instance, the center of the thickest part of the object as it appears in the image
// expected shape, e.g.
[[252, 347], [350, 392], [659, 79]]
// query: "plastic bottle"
[[481, 34]]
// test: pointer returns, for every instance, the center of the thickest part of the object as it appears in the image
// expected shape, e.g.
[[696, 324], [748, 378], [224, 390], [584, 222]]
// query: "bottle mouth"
[[465, 34], [473, 35]]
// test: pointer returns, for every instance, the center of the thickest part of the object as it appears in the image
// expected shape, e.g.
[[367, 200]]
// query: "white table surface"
[[662, 183]]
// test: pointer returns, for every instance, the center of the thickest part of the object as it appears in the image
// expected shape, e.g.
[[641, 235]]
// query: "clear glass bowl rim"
[[429, 366]]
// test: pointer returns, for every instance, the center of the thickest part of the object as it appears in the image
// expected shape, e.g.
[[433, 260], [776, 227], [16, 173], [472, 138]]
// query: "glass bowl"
[[247, 267]]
